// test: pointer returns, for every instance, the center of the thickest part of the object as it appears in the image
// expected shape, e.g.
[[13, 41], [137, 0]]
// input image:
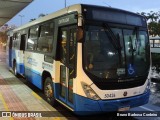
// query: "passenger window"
[[16, 40], [46, 38], [32, 40]]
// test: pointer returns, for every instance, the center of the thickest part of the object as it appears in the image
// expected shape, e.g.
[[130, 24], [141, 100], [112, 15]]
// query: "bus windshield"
[[127, 55]]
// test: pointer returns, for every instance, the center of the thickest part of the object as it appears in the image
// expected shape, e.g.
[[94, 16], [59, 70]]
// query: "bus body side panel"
[[34, 67], [13, 56], [34, 77], [17, 55], [8, 56], [9, 52], [20, 61]]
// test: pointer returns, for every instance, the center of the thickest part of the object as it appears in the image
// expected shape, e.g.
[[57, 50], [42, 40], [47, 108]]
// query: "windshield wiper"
[[115, 42], [133, 49]]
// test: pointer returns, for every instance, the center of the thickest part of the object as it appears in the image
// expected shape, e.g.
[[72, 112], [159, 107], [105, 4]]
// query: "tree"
[[153, 20], [41, 15], [153, 16], [153, 28], [32, 19], [3, 32], [3, 37]]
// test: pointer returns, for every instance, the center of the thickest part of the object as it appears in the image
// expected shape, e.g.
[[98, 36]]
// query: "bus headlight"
[[89, 92], [147, 87]]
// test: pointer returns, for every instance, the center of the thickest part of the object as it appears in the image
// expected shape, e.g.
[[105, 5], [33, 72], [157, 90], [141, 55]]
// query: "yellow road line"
[[65, 105], [36, 96], [57, 118], [5, 105]]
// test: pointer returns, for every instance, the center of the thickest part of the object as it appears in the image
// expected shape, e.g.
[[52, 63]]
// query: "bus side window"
[[16, 40], [46, 37], [32, 39]]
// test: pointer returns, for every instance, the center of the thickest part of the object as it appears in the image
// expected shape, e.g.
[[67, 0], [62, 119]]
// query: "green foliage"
[[155, 59], [153, 20], [39, 16], [154, 28], [3, 37]]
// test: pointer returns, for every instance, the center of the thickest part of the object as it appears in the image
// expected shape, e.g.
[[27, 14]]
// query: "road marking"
[[36, 96], [57, 118], [146, 108], [5, 105]]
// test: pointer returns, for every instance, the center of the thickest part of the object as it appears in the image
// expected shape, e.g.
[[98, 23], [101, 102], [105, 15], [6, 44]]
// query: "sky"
[[49, 6]]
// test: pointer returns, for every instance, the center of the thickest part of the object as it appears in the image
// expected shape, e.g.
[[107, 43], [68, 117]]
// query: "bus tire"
[[15, 68], [49, 91]]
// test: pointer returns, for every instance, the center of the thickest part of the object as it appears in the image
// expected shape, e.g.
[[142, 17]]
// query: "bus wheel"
[[49, 91], [15, 68]]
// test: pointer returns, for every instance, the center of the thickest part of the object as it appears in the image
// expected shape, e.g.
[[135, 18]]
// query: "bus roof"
[[66, 10], [69, 9], [116, 9]]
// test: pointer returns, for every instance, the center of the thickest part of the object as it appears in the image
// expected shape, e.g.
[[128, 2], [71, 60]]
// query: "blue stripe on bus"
[[10, 58], [20, 68], [13, 56], [56, 87], [86, 106], [34, 77]]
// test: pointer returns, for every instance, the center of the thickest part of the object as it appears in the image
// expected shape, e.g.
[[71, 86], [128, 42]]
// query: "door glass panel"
[[67, 58], [63, 48], [62, 80], [63, 59], [72, 57], [23, 41]]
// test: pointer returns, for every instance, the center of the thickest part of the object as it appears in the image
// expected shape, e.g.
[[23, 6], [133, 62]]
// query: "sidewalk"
[[2, 55], [16, 96]]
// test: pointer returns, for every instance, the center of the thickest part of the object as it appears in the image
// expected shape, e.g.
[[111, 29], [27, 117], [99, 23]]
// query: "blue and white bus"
[[88, 58]]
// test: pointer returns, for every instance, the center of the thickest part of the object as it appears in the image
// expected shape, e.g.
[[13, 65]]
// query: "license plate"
[[124, 109]]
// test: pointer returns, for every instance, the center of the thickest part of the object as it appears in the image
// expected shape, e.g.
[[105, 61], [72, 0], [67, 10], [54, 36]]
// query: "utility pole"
[[21, 16], [65, 3]]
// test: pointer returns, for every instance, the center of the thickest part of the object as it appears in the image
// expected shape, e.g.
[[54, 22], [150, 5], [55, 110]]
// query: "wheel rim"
[[48, 92]]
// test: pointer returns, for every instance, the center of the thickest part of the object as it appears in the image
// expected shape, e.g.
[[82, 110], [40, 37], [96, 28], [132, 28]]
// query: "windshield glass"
[[126, 55]]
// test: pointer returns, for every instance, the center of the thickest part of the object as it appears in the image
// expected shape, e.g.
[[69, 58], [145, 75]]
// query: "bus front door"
[[68, 64]]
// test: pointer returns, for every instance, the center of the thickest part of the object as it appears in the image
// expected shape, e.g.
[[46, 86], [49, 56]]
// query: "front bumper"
[[85, 106]]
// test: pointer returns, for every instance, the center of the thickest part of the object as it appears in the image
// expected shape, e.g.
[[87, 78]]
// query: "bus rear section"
[[15, 52]]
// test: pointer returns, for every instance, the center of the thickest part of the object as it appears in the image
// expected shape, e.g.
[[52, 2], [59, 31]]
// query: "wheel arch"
[[45, 74]]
